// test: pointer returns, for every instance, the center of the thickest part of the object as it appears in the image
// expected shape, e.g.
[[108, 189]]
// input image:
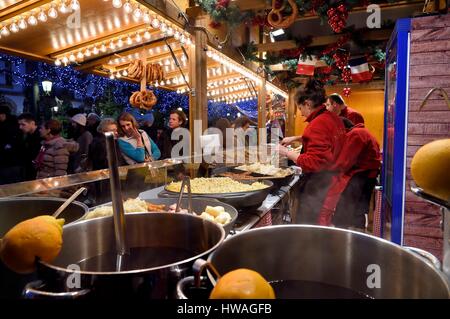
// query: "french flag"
[[359, 69], [306, 67]]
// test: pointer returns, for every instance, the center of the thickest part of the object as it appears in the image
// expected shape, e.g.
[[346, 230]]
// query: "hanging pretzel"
[[276, 19]]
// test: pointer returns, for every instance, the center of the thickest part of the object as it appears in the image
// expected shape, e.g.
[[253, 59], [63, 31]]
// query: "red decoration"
[[337, 18], [346, 92], [346, 75], [341, 59], [215, 25]]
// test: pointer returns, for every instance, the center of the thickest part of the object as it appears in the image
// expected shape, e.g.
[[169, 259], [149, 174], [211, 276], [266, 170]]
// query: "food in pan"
[[266, 169], [241, 176], [129, 206], [39, 237], [216, 185], [216, 214]]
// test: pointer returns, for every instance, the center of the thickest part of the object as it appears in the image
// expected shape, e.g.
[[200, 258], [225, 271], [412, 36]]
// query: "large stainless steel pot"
[[189, 236], [334, 257], [15, 210]]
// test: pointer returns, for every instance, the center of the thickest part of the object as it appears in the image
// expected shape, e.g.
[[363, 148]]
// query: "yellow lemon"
[[242, 284], [39, 237], [430, 168]]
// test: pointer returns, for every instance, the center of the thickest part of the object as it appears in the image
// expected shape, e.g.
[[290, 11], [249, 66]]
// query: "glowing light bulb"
[[58, 62], [129, 41], [95, 51], [156, 84], [112, 77], [118, 75], [146, 17], [42, 16], [80, 56], [13, 27], [163, 27], [117, 4], [177, 35], [22, 24], [128, 7], [75, 5], [125, 73], [72, 58], [112, 46], [147, 35], [182, 39], [155, 23], [103, 48], [137, 13], [65, 60], [63, 7], [170, 32], [32, 20], [120, 43], [5, 32], [138, 37], [87, 52]]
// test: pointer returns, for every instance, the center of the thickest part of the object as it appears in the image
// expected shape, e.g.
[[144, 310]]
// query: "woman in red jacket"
[[322, 141]]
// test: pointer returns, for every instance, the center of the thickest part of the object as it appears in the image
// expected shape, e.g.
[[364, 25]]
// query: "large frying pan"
[[238, 200], [277, 181], [199, 206]]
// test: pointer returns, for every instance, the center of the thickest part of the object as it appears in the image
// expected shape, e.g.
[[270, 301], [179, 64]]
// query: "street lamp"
[[47, 87]]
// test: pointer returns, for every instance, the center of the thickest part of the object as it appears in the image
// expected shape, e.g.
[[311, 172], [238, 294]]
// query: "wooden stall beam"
[[26, 55], [291, 113], [262, 119], [106, 40], [373, 35], [245, 5], [127, 51], [198, 103], [20, 7]]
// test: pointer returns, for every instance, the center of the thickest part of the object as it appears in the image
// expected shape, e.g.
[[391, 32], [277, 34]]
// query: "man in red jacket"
[[349, 195], [322, 141], [335, 103]]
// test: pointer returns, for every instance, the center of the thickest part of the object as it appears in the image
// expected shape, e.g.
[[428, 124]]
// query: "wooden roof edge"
[[26, 55]]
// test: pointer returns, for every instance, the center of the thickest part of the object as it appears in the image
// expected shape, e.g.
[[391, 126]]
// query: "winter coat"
[[352, 115], [322, 141], [133, 154], [360, 154], [54, 157]]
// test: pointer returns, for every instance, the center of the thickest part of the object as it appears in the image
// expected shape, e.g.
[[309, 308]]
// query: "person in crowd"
[[31, 144], [223, 124], [359, 163], [53, 158], [177, 120], [336, 104], [242, 139], [84, 139], [92, 122], [322, 140], [150, 129], [10, 143], [98, 158], [136, 146]]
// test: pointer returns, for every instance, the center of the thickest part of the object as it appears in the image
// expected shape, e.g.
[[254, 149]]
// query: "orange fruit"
[[39, 237], [242, 284], [430, 168]]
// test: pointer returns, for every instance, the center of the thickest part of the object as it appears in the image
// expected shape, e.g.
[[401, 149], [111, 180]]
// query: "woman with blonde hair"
[[136, 146]]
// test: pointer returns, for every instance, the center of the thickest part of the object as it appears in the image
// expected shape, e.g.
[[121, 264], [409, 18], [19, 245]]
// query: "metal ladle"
[[68, 202]]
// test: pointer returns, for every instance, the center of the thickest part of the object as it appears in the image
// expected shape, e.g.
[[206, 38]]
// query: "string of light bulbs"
[[37, 15]]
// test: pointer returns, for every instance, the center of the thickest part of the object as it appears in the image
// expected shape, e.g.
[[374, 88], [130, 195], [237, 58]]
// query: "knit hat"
[[80, 119]]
